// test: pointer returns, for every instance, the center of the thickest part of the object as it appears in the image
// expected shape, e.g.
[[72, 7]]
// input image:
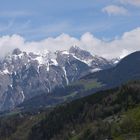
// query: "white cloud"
[[132, 2], [115, 10], [120, 47], [129, 42]]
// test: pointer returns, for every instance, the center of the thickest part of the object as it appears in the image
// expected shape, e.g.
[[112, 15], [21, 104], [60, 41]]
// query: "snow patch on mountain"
[[6, 71], [54, 62], [65, 74]]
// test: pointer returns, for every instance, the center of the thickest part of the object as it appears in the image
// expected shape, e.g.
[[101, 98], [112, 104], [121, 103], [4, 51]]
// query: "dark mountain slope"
[[127, 69]]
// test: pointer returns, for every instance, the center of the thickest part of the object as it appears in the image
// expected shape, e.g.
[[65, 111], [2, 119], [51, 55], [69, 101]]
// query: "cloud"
[[129, 42], [132, 2], [120, 47], [115, 10]]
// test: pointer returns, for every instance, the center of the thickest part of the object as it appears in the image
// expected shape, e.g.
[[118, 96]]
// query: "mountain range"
[[25, 75], [126, 70], [33, 80], [101, 102]]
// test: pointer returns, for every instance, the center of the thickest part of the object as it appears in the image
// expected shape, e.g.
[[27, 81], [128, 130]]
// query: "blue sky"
[[38, 19]]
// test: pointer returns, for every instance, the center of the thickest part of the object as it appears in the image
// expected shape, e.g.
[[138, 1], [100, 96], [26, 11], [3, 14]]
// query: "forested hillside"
[[110, 114]]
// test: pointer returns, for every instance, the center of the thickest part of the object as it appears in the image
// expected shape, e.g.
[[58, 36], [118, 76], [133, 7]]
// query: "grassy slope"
[[88, 84], [129, 126], [126, 128]]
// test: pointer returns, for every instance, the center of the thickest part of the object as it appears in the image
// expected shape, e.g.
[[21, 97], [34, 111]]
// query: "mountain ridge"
[[25, 75], [92, 83]]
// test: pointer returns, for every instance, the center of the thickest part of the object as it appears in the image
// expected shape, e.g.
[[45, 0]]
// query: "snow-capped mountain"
[[25, 75]]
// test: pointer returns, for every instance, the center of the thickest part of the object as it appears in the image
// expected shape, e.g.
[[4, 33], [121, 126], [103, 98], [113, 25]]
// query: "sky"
[[103, 27]]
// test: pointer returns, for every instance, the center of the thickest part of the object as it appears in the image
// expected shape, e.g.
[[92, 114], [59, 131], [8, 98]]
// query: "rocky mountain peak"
[[16, 51], [80, 53]]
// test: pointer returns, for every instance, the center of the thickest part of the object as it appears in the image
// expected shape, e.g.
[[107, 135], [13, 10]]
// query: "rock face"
[[25, 75]]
